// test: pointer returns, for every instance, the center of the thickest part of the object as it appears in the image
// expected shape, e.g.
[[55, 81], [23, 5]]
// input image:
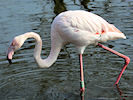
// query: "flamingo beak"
[[10, 53]]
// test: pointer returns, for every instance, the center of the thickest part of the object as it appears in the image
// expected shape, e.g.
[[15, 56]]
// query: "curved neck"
[[54, 52]]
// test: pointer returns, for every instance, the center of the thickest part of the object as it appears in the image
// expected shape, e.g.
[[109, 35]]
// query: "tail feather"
[[111, 33], [112, 28]]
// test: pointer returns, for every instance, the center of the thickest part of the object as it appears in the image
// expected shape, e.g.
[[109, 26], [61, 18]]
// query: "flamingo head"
[[15, 45]]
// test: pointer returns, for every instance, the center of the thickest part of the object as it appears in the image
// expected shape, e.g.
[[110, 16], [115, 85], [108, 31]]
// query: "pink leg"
[[82, 86], [127, 60]]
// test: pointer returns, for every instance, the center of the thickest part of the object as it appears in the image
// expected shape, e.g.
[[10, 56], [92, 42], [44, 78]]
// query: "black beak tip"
[[9, 60]]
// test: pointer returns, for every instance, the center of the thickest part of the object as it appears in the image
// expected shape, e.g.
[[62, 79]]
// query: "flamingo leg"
[[82, 86], [127, 60]]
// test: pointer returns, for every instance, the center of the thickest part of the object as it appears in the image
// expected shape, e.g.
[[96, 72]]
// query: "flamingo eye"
[[13, 44]]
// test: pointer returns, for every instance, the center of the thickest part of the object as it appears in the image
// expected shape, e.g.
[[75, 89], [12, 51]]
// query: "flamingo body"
[[78, 27], [83, 28]]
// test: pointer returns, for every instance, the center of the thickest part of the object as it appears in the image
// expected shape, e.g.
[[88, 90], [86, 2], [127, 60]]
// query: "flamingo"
[[78, 27]]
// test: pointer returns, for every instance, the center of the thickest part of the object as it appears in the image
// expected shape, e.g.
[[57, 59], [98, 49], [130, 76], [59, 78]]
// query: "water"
[[24, 80]]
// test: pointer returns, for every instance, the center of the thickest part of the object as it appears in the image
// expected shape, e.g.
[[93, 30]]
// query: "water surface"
[[24, 80]]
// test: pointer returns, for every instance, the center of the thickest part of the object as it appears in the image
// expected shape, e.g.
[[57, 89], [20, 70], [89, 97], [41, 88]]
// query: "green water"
[[24, 80]]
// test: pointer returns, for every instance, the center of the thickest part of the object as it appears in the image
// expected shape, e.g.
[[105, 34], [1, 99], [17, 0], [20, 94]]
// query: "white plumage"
[[78, 27]]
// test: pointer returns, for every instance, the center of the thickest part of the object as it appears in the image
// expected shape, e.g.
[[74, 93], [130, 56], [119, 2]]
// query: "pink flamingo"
[[78, 27]]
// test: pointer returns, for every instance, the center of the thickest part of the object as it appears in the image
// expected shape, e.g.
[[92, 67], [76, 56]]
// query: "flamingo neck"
[[54, 52]]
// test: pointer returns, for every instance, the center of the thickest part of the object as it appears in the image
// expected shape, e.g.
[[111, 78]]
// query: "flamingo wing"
[[84, 28]]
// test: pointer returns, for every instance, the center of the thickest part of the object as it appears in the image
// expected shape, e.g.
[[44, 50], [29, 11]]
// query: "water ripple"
[[23, 80]]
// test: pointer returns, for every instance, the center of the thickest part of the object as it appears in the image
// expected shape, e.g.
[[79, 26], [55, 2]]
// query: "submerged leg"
[[127, 60], [82, 86]]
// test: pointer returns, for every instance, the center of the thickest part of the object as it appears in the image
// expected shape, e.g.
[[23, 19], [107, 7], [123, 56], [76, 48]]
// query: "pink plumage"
[[78, 27], [81, 28]]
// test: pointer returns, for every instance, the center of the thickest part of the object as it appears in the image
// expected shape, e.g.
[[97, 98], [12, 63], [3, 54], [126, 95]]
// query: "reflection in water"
[[59, 6], [82, 95], [85, 4], [25, 81], [120, 93]]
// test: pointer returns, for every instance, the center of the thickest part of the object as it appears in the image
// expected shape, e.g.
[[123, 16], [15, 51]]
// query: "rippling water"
[[24, 80]]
